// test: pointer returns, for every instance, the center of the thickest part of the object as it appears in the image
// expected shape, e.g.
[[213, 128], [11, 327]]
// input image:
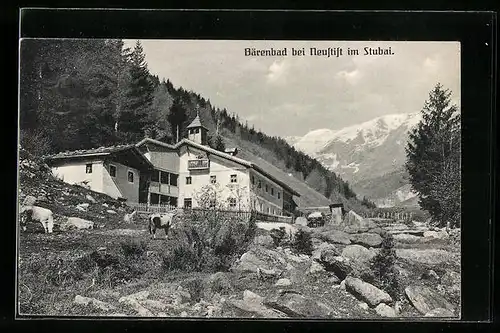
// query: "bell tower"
[[196, 131]]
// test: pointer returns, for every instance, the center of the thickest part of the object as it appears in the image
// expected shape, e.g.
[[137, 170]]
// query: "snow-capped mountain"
[[364, 152]]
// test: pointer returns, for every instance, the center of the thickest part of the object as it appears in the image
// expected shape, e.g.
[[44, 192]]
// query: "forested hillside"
[[78, 94]]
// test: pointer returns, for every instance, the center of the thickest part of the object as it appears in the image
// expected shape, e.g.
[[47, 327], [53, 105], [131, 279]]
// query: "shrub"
[[133, 247], [209, 244], [278, 236], [384, 274], [302, 242]]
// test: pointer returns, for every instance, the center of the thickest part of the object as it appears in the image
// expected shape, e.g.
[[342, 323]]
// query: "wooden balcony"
[[166, 189]]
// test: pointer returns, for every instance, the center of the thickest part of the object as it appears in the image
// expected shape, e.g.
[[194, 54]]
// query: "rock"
[[152, 304], [363, 305], [366, 292], [249, 296], [264, 241], [442, 234], [299, 306], [385, 311], [334, 236], [335, 264], [315, 268], [82, 207], [376, 230], [324, 247], [136, 306], [252, 309], [334, 280], [161, 314], [268, 261], [90, 198], [95, 302], [105, 205], [358, 253], [139, 296], [430, 274], [181, 296], [429, 256], [367, 239], [184, 314], [440, 312], [283, 282], [110, 211], [425, 299], [301, 221], [76, 223]]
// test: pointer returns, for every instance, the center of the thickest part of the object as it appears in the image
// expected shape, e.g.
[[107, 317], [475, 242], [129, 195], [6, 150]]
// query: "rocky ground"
[[111, 267]]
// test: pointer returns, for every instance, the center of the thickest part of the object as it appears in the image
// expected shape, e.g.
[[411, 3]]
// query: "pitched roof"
[[264, 168], [196, 123], [101, 151], [89, 152]]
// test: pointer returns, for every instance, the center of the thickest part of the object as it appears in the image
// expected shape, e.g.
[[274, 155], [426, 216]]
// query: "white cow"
[[161, 221], [40, 214]]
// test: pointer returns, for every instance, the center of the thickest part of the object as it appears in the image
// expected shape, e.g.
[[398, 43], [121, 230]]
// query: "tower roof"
[[196, 123]]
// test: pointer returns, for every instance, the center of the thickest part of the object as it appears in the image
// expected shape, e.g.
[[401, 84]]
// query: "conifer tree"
[[177, 117], [433, 158]]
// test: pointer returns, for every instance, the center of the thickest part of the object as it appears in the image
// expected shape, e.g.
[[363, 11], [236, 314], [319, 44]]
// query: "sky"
[[292, 95]]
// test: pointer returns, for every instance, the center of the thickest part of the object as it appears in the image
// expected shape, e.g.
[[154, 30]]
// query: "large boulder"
[[425, 299], [260, 260], [324, 247], [333, 236], [367, 239], [352, 218], [385, 310], [299, 306], [451, 281], [76, 223], [245, 309], [264, 241], [336, 264], [366, 292], [358, 253]]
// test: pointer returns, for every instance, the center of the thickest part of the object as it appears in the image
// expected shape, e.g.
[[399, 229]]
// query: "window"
[[260, 184], [268, 210], [155, 176], [234, 179], [189, 180], [188, 203], [279, 195], [253, 180], [112, 170], [88, 168], [232, 202], [163, 177], [267, 188], [130, 177], [173, 179], [213, 179], [196, 130], [272, 190]]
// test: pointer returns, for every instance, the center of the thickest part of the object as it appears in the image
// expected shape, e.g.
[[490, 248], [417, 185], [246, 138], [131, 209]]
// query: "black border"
[[473, 30]]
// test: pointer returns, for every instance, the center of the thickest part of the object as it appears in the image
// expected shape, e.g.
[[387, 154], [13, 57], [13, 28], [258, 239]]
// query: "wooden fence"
[[151, 208], [143, 208], [405, 216]]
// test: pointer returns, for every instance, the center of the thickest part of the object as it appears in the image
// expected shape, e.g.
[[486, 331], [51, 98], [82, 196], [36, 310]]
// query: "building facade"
[[115, 171], [192, 174]]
